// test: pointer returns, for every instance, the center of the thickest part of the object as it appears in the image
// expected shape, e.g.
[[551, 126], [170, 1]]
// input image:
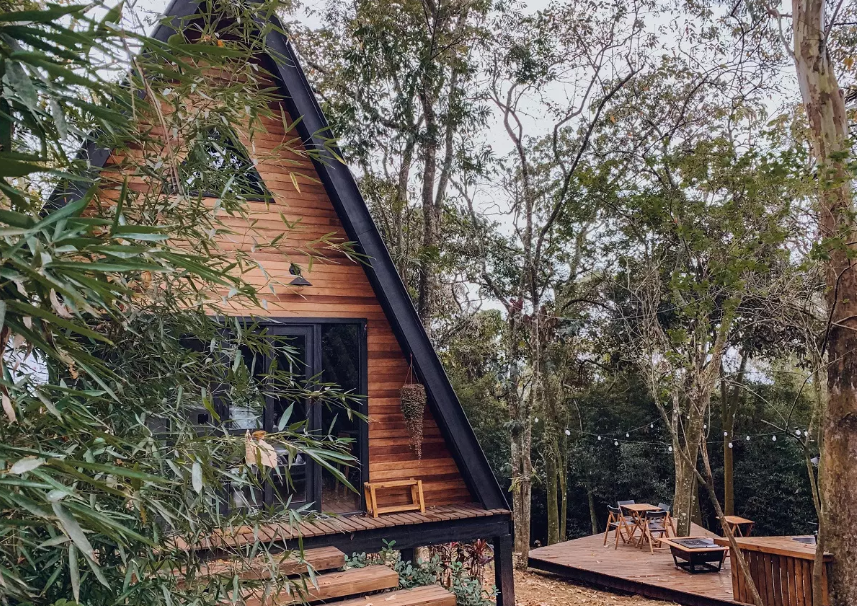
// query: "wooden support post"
[[407, 555], [504, 577]]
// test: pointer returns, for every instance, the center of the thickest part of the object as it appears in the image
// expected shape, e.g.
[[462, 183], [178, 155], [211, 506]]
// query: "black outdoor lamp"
[[299, 280]]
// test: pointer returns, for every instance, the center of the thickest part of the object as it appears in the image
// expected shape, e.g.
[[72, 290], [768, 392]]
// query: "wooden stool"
[[417, 503]]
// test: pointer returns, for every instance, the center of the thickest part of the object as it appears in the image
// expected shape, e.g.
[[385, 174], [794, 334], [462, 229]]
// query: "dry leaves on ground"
[[541, 589]]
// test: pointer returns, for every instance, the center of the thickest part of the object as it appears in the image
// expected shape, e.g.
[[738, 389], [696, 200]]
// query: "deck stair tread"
[[320, 558], [431, 595], [332, 586]]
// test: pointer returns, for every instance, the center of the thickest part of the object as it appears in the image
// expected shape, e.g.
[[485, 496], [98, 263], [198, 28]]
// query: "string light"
[[748, 438], [567, 432], [730, 444], [725, 433], [774, 438], [627, 435], [670, 449], [797, 432], [599, 438], [615, 442]]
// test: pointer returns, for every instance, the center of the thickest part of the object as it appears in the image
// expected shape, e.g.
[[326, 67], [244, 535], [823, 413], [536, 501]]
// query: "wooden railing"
[[781, 568]]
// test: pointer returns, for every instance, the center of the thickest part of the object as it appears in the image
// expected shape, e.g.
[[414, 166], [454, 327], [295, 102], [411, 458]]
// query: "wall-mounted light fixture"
[[299, 280]]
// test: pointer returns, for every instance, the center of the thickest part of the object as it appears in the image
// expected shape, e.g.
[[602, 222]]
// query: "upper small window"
[[216, 157]]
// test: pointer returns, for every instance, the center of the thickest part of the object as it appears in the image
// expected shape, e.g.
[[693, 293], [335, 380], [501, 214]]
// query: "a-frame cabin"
[[365, 308]]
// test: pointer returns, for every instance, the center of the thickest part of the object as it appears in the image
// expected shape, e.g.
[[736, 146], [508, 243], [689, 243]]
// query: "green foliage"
[[108, 319], [454, 575]]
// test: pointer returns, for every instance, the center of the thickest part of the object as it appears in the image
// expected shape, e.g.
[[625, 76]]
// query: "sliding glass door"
[[323, 351]]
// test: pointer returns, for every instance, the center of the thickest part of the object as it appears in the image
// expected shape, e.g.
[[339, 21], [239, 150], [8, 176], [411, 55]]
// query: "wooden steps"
[[332, 586], [321, 558], [432, 595]]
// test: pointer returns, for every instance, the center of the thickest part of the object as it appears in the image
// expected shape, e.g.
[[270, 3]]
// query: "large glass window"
[[340, 364], [328, 352]]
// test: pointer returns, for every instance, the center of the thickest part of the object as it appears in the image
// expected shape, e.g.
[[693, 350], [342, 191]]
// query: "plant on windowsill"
[[413, 401]]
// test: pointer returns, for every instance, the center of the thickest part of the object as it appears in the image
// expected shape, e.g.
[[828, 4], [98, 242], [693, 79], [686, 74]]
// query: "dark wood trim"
[[625, 585], [504, 570], [410, 535], [407, 554]]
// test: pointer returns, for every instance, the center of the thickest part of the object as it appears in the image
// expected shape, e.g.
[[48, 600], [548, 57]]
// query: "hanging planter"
[[413, 400]]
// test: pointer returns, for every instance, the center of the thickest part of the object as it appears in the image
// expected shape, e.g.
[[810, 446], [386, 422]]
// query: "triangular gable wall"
[[379, 295]]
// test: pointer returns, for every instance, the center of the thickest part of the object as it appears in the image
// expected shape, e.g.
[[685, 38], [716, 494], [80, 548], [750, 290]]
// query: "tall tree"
[[824, 102], [586, 50], [395, 84]]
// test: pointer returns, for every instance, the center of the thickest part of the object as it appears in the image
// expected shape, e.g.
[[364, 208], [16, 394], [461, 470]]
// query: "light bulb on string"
[[615, 442], [730, 444], [627, 435], [670, 449], [774, 438], [651, 425], [748, 438], [599, 438], [797, 432], [725, 433], [567, 432]]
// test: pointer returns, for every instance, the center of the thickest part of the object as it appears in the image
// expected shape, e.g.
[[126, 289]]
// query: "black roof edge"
[[348, 202]]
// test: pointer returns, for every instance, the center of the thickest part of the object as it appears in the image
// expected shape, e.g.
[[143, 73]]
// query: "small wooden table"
[[417, 503], [740, 527], [696, 554], [638, 511]]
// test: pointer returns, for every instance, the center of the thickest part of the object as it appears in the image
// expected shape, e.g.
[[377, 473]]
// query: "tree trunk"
[[728, 475], [684, 501], [593, 514], [563, 488], [730, 399], [825, 110], [552, 477], [519, 446], [431, 214], [521, 487]]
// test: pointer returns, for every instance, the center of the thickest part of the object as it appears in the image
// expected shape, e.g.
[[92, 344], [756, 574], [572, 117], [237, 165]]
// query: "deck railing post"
[[407, 555], [504, 577]]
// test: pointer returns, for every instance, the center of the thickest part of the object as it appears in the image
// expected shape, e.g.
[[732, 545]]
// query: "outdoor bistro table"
[[696, 554], [638, 513], [741, 527]]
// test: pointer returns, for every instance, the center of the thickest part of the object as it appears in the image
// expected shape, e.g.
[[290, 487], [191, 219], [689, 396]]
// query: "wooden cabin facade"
[[358, 317]]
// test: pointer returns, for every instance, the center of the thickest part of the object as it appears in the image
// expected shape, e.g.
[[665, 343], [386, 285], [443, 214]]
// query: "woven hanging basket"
[[413, 397]]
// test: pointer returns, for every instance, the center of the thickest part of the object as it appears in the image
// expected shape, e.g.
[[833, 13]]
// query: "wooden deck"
[[319, 526], [634, 570]]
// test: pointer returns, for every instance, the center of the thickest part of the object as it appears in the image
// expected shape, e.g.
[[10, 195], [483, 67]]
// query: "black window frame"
[[237, 147], [313, 326]]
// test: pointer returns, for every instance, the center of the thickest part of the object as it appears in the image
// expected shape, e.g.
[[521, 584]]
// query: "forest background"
[[608, 217]]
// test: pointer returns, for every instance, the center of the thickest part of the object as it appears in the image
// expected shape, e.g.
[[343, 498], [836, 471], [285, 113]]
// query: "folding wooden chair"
[[654, 528], [617, 523], [630, 520], [668, 508]]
